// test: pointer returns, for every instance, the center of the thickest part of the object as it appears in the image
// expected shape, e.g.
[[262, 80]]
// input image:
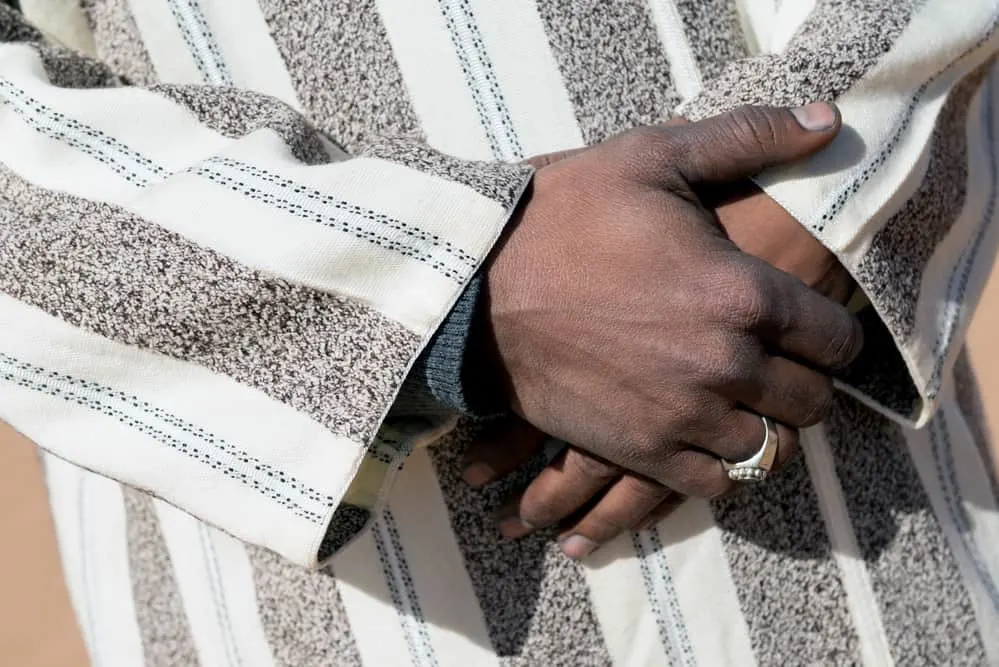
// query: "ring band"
[[758, 466]]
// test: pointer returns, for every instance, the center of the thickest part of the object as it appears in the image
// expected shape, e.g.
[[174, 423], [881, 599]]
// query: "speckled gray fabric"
[[347, 522], [302, 614], [342, 68], [714, 33], [900, 252], [901, 542], [163, 626], [236, 113], [105, 270], [801, 73], [614, 66], [118, 41], [498, 181], [535, 601], [68, 70], [780, 558]]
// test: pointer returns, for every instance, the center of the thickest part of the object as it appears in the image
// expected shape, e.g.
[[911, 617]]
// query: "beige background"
[[37, 628]]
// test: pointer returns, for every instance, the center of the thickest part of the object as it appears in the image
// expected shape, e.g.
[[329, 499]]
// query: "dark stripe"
[[839, 42], [789, 587], [105, 270], [118, 41], [613, 64], [714, 33], [893, 267], [302, 613], [927, 612], [535, 601], [159, 608], [969, 402], [342, 67]]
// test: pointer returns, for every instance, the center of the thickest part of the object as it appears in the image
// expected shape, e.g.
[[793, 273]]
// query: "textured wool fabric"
[[215, 291]]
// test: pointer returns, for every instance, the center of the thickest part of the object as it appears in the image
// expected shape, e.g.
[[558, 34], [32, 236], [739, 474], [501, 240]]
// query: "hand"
[[672, 332]]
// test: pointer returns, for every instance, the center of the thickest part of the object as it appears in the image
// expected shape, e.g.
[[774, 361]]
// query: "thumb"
[[744, 142]]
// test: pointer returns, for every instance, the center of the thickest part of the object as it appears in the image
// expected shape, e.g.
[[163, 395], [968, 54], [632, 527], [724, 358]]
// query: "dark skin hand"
[[654, 385]]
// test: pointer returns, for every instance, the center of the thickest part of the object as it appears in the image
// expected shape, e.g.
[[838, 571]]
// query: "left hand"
[[616, 501]]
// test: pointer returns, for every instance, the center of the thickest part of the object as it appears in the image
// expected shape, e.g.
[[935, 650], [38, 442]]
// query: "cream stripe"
[[758, 18], [251, 231], [972, 498], [788, 18], [682, 63], [621, 604], [435, 82], [219, 603], [446, 598], [872, 108], [89, 515], [533, 92], [934, 305], [704, 587], [227, 411], [368, 603], [860, 599], [167, 50], [247, 49]]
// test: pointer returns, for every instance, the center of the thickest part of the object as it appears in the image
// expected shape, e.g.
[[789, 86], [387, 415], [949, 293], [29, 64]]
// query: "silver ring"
[[757, 467]]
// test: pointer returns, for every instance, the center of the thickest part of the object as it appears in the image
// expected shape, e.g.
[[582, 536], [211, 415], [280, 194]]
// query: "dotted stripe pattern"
[[662, 597], [128, 163], [171, 431], [481, 80], [323, 209], [200, 42]]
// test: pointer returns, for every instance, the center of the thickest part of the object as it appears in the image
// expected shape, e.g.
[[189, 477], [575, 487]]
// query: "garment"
[[211, 307]]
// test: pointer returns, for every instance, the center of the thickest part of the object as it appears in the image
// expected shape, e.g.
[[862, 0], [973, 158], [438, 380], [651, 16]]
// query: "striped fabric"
[[212, 288]]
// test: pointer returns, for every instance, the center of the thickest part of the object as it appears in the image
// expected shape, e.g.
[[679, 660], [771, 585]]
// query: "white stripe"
[[200, 41], [407, 606], [163, 41], [621, 605], [860, 599], [533, 91], [972, 544], [248, 51], [788, 19], [456, 626], [934, 307], [368, 604], [873, 108], [433, 77], [270, 431], [704, 587], [89, 514], [251, 231], [216, 585], [662, 594], [757, 18], [683, 67]]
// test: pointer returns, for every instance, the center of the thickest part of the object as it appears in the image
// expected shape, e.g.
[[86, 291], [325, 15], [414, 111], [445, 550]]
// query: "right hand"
[[621, 319]]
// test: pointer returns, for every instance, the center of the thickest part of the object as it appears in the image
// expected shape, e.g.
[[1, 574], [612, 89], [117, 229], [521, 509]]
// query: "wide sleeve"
[[906, 195], [202, 297]]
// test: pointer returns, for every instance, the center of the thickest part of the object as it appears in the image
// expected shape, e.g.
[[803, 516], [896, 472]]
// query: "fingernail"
[[514, 527], [577, 546], [477, 474], [816, 116]]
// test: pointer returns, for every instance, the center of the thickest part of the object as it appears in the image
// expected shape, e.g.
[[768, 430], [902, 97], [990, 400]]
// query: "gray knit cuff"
[[445, 372]]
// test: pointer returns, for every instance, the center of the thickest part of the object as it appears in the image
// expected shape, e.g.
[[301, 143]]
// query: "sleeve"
[[906, 195], [202, 297]]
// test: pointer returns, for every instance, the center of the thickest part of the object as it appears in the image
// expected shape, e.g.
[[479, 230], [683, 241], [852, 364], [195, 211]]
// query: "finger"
[[539, 161], [744, 142], [500, 449], [698, 474], [805, 325], [741, 435], [567, 484], [623, 507], [788, 392], [662, 511]]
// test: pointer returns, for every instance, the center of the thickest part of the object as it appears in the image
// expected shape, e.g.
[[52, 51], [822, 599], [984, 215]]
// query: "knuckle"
[[538, 511], [751, 296], [819, 405], [845, 343], [754, 128], [590, 466], [734, 364]]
